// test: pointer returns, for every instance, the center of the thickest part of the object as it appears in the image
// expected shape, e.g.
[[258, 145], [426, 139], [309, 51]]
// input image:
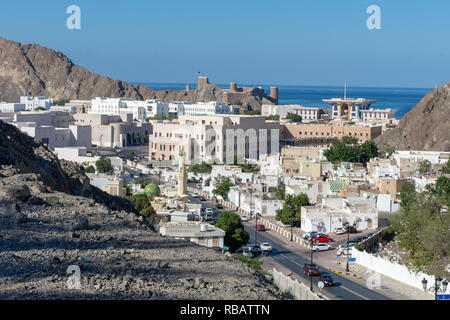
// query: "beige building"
[[115, 130], [301, 167], [214, 137], [293, 133], [390, 186], [297, 152]]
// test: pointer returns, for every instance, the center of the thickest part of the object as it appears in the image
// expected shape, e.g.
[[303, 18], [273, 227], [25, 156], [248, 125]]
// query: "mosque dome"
[[152, 189]]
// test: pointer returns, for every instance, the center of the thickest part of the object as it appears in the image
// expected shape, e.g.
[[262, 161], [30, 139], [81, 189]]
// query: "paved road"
[[345, 289]]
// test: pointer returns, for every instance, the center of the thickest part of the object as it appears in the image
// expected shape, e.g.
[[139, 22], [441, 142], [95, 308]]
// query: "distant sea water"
[[400, 99]]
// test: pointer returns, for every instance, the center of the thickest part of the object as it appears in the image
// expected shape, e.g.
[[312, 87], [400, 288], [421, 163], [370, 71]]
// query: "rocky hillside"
[[30, 69], [425, 127], [52, 218]]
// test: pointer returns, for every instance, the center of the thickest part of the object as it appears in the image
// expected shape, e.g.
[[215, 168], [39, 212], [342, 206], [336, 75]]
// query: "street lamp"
[[437, 286], [292, 238], [312, 251], [348, 249]]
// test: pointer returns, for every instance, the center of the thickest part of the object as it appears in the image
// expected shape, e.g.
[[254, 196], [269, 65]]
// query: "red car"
[[260, 227], [322, 239]]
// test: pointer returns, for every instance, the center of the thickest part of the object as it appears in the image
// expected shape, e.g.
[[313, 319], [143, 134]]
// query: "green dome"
[[152, 189]]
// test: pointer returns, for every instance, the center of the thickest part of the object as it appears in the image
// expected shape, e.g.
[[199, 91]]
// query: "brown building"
[[323, 134]]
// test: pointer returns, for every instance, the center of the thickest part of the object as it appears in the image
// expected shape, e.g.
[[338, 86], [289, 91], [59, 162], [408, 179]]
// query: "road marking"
[[354, 292]]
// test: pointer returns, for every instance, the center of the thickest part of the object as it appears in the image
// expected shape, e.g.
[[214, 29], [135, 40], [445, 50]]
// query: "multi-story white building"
[[115, 106], [12, 107], [377, 114], [307, 113], [207, 108], [32, 103], [214, 137]]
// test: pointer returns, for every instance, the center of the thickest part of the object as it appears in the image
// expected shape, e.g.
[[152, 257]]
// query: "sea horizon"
[[396, 98]]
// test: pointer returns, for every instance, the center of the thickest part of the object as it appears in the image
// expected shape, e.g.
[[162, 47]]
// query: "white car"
[[322, 247], [244, 218], [339, 231], [209, 210], [195, 195], [266, 247]]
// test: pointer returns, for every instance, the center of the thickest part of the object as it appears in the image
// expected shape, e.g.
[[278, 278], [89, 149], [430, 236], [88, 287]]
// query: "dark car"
[[327, 279], [202, 198], [219, 206], [311, 269], [351, 229], [255, 249]]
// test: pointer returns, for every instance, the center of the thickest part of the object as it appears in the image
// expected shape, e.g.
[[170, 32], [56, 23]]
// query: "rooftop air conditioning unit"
[[203, 227]]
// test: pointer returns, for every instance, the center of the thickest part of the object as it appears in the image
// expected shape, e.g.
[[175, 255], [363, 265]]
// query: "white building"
[[377, 114], [115, 106], [335, 213], [435, 157], [12, 107], [207, 108], [307, 113], [32, 103], [66, 108], [200, 233]]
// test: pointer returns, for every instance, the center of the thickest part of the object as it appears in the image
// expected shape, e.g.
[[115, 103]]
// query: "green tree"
[[280, 192], [90, 169], [62, 102], [222, 187], [294, 117], [104, 165], [407, 195], [425, 166], [273, 117], [235, 236], [291, 211], [423, 230], [142, 205], [39, 109], [252, 113], [348, 150], [440, 190], [200, 168], [446, 167]]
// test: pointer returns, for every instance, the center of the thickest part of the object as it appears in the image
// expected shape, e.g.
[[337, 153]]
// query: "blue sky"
[[300, 42]]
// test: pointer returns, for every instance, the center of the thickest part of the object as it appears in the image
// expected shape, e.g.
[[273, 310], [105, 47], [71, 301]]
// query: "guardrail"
[[298, 290]]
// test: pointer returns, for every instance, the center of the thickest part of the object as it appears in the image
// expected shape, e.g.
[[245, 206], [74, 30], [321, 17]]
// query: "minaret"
[[182, 176]]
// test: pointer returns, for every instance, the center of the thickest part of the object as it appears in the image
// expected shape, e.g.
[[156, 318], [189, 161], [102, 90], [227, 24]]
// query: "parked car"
[[199, 185], [370, 235], [260, 227], [351, 229], [209, 210], [339, 231], [255, 248], [311, 269], [195, 195], [202, 198], [322, 247], [244, 218], [266, 247], [219, 206], [322, 239], [327, 279], [308, 235]]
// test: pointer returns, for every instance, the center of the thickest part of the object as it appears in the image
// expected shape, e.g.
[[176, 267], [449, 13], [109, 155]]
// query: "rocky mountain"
[[30, 69], [425, 127], [51, 218]]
